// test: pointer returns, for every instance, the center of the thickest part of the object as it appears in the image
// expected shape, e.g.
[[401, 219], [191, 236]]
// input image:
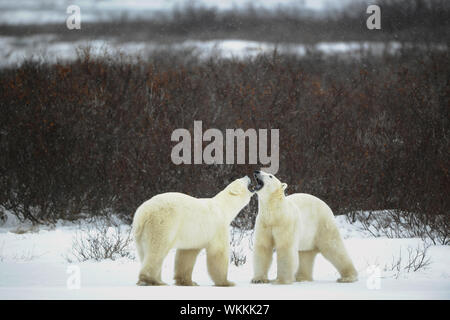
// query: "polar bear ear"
[[284, 186], [234, 191]]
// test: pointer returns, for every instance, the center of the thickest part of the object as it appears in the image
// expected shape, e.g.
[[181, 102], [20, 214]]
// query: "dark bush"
[[94, 135]]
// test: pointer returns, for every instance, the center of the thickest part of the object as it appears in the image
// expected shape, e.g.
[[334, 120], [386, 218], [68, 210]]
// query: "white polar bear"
[[298, 226], [176, 220]]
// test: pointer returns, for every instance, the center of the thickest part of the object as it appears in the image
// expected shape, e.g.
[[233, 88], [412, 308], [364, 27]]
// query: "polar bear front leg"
[[262, 259], [217, 258], [184, 265], [262, 255], [287, 263]]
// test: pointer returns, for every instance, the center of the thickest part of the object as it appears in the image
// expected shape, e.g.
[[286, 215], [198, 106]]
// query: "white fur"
[[298, 226], [176, 220]]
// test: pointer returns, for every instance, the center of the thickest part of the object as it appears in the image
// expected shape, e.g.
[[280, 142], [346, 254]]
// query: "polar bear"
[[298, 226], [176, 220]]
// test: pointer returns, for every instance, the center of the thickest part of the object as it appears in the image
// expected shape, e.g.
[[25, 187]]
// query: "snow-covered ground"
[[44, 47], [34, 265]]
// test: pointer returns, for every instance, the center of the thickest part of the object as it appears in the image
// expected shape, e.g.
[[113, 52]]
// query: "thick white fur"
[[176, 220], [298, 226]]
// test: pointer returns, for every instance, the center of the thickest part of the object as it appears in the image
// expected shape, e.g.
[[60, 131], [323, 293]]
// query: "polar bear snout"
[[259, 180], [246, 183], [249, 184], [247, 180]]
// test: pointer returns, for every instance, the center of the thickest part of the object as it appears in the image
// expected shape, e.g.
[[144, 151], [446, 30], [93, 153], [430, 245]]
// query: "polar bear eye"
[[271, 177]]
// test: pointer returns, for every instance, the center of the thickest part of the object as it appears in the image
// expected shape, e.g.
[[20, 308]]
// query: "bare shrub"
[[24, 255], [399, 224], [238, 257], [3, 217], [2, 248], [93, 135], [416, 259], [238, 246], [25, 229], [99, 241]]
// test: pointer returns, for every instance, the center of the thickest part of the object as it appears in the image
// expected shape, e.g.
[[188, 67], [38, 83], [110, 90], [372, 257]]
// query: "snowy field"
[[13, 50], [34, 264], [42, 48]]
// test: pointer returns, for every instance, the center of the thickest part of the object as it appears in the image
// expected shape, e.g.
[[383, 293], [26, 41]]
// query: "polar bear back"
[[189, 221], [313, 215]]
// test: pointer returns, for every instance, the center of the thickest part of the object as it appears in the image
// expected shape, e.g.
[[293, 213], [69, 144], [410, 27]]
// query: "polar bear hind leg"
[[140, 252], [184, 265], [306, 264], [337, 255], [263, 255], [155, 246], [150, 274]]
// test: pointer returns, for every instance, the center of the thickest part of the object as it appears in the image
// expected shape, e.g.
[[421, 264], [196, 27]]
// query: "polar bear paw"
[[303, 278], [225, 284], [281, 281], [347, 279], [259, 280], [151, 283], [183, 282], [145, 281]]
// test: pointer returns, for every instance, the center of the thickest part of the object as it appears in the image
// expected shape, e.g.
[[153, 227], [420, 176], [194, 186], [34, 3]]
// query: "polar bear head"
[[236, 196], [240, 188], [268, 184]]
